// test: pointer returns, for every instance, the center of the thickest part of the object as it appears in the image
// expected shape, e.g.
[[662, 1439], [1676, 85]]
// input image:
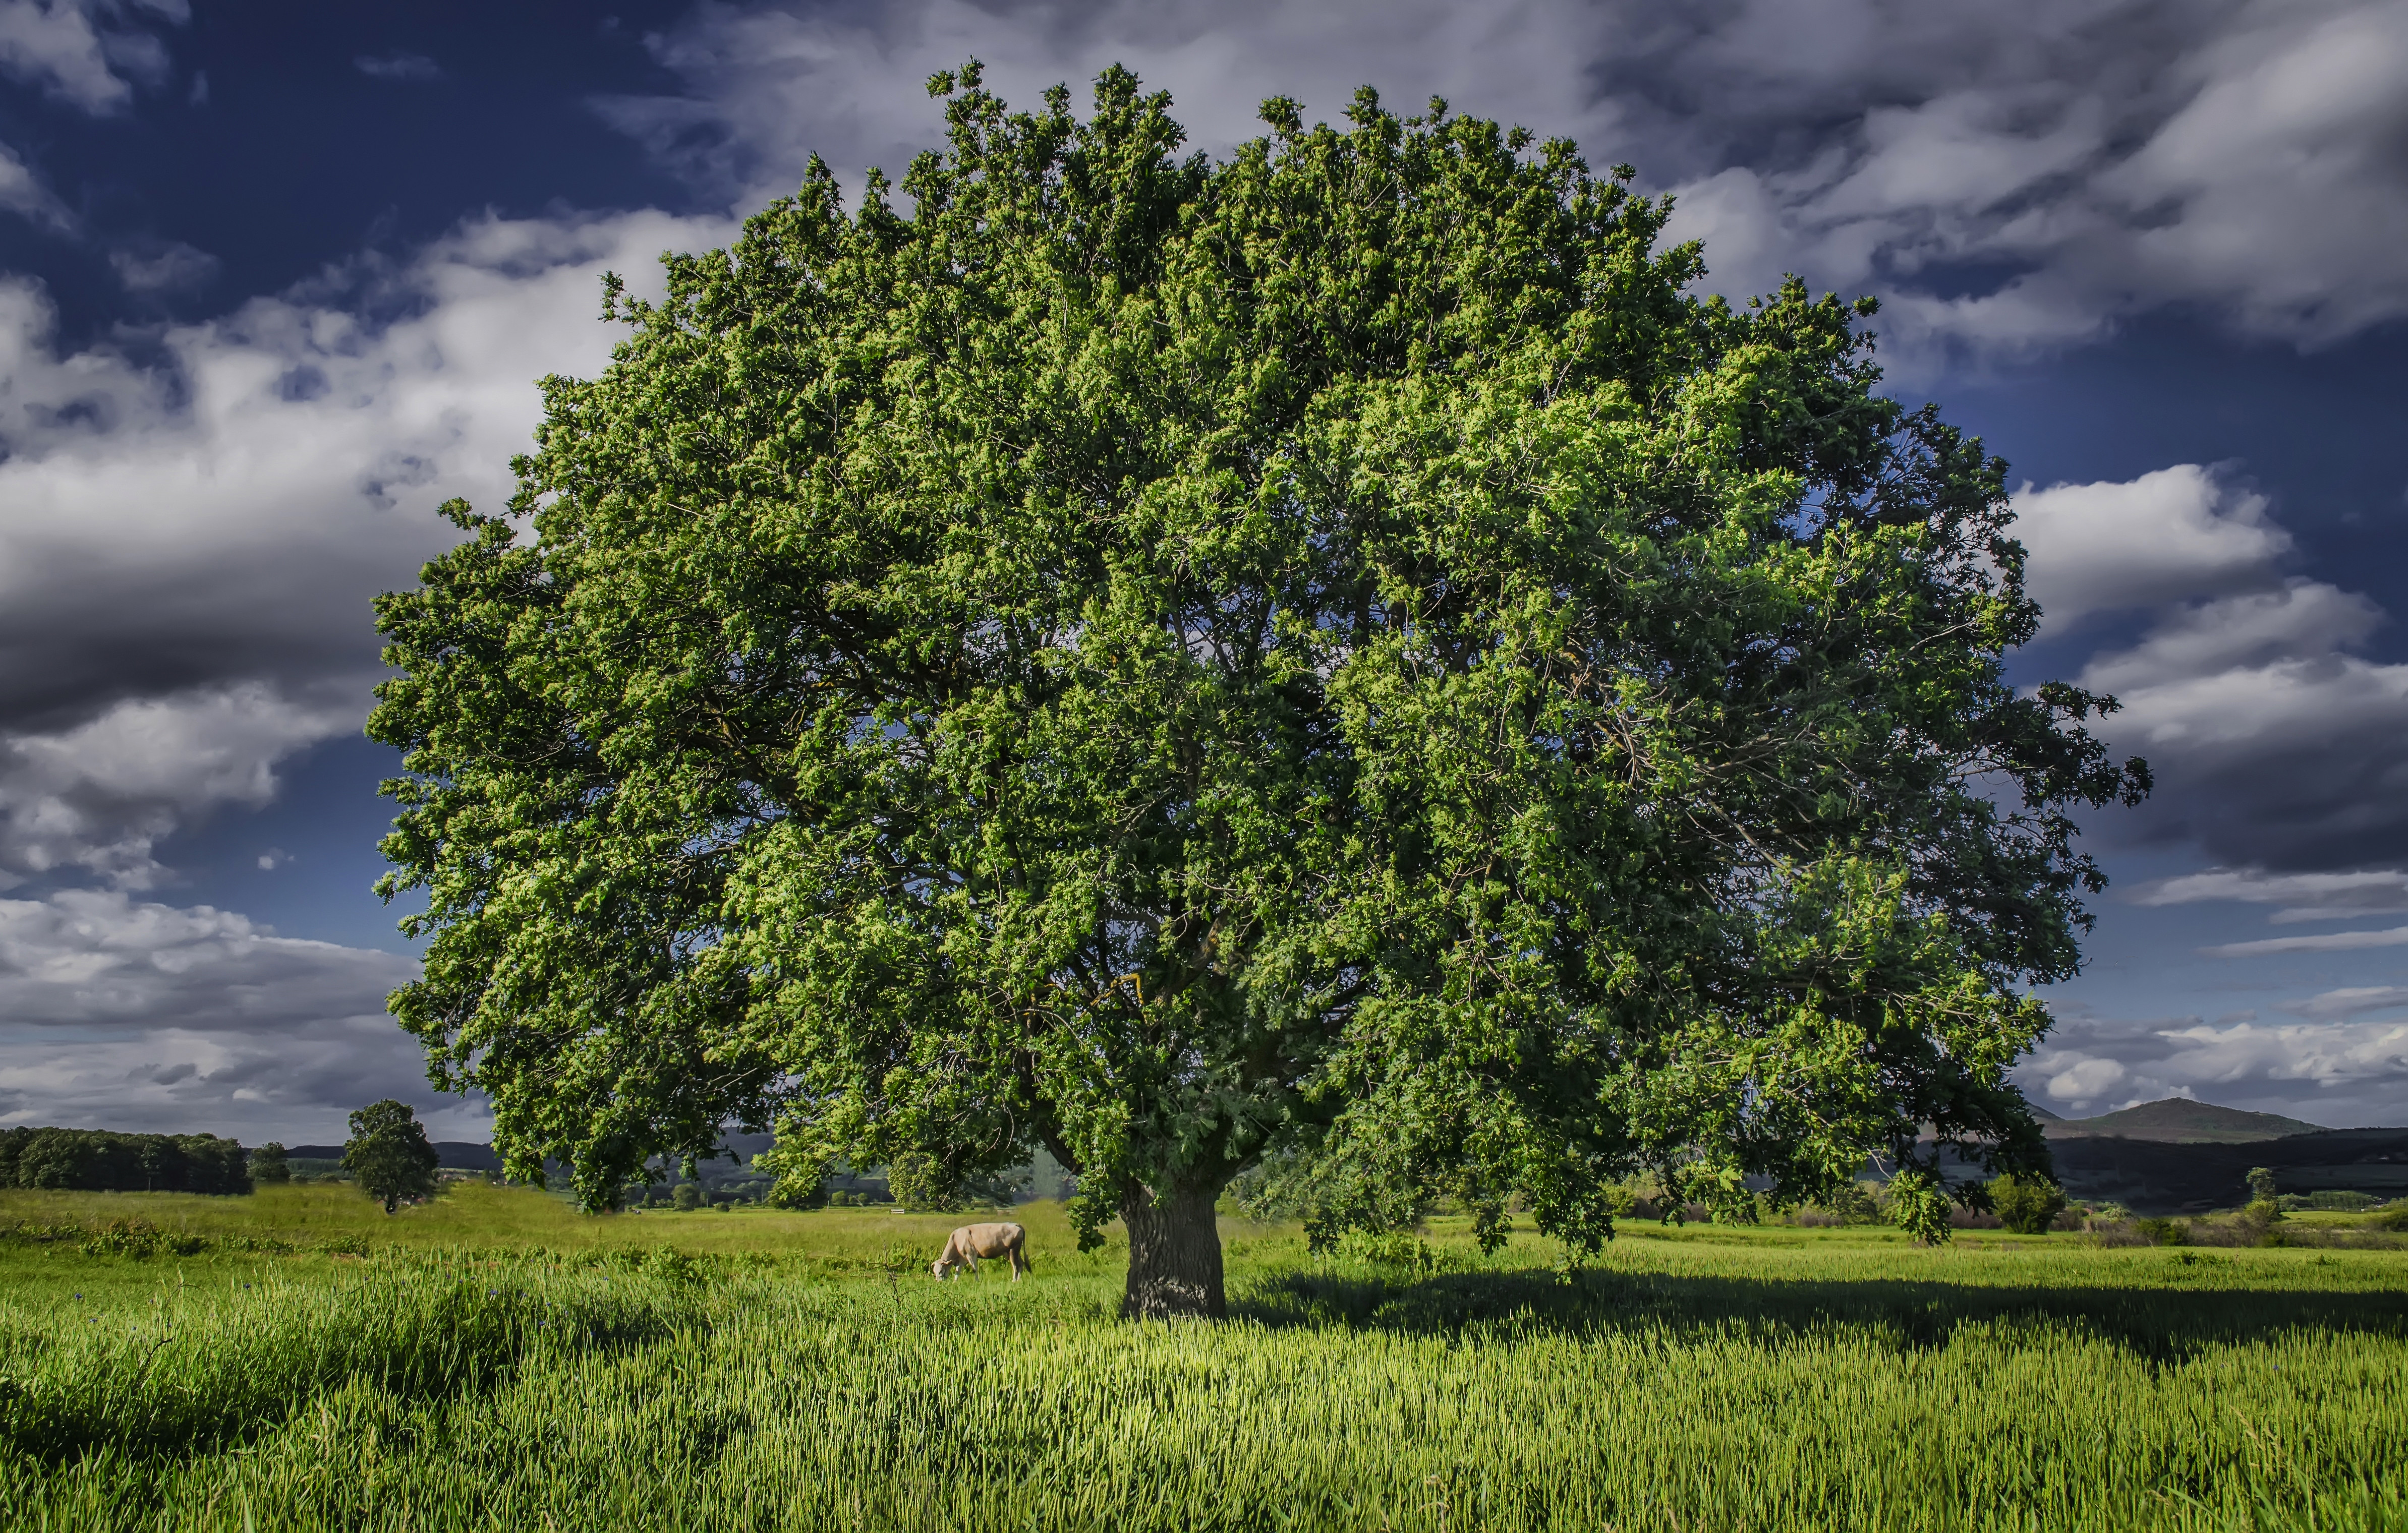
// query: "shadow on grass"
[[2165, 1323]]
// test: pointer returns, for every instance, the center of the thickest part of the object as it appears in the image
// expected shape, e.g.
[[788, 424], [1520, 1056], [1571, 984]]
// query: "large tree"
[[1337, 653]]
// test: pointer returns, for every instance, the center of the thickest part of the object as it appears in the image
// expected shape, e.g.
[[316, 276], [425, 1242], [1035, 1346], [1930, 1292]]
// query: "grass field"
[[498, 1361]]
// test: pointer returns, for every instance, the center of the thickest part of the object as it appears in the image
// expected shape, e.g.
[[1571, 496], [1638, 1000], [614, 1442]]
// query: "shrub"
[[687, 1197], [2332, 1200], [1394, 1248], [2165, 1232], [2026, 1205], [136, 1237]]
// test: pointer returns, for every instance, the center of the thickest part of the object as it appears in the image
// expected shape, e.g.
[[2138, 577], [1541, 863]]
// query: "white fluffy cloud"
[[2174, 535], [2275, 741], [22, 192], [2327, 1067], [130, 1014], [99, 794], [188, 548]]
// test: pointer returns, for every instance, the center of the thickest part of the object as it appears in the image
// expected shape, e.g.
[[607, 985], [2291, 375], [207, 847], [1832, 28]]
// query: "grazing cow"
[[965, 1245]]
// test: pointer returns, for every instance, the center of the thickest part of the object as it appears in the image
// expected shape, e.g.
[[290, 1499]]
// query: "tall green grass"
[[1700, 1380]]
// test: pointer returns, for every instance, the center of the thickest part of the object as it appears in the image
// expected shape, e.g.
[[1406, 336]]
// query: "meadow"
[[494, 1360]]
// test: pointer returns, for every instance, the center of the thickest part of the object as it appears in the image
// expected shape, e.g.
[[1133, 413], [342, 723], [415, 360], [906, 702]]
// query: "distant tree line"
[[97, 1160]]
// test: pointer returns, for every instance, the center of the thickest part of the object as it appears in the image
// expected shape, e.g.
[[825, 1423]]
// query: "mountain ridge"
[[2180, 1119]]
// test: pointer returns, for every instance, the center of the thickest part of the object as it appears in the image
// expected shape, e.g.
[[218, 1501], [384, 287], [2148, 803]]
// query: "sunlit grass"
[[512, 1364]]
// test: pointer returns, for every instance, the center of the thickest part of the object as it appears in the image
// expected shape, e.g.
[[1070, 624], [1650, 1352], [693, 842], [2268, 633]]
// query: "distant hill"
[[2160, 1176], [451, 1154], [2179, 1121]]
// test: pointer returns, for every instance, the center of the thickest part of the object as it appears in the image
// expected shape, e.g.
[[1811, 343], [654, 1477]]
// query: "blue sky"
[[276, 278]]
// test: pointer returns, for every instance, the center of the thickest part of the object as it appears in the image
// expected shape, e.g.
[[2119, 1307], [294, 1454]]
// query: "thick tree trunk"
[[1174, 1255]]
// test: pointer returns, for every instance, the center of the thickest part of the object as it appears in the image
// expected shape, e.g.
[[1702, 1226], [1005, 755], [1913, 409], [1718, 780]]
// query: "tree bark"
[[1174, 1255]]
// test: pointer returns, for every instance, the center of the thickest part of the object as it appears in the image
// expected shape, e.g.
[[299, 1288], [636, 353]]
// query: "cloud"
[[191, 543], [2322, 942], [399, 66], [2304, 896], [2353, 1002], [2175, 533], [2007, 177], [767, 87], [2083, 1081], [86, 54], [117, 1012], [2324, 1055], [164, 268], [22, 192], [97, 795], [2277, 744], [2326, 1069]]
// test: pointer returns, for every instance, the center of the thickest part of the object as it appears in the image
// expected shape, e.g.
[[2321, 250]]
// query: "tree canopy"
[[1337, 653], [388, 1155]]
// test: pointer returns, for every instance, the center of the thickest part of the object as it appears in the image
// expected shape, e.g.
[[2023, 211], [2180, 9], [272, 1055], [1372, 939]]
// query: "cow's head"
[[937, 1269]]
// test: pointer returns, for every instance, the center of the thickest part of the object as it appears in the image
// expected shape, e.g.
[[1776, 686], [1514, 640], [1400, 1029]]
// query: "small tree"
[[387, 1153], [2026, 1205], [268, 1165], [2261, 1184], [687, 1197]]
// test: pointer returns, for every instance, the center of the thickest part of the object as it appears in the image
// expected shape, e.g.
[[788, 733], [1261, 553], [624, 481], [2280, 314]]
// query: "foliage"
[[2261, 1184], [388, 1155], [2026, 1205], [1333, 1193], [1333, 651], [97, 1160], [1852, 1203], [2328, 1200], [268, 1165], [2170, 1232], [685, 1196], [920, 1184]]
